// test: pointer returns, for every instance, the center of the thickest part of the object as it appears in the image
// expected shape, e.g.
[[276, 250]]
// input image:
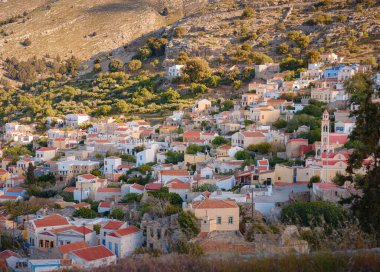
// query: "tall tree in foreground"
[[365, 139], [30, 178]]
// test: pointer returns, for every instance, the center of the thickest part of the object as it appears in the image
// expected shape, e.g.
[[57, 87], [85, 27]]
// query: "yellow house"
[[293, 147], [264, 115], [246, 138], [223, 150], [168, 129], [248, 99], [196, 158], [299, 174], [3, 175], [216, 215]]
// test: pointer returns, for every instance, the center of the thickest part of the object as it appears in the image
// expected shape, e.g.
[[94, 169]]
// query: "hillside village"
[[235, 132], [114, 188]]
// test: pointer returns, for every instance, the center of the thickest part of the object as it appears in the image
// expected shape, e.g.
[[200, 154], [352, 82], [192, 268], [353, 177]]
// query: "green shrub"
[[313, 214]]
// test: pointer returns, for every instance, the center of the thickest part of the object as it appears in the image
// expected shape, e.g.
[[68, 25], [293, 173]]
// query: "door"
[[116, 250]]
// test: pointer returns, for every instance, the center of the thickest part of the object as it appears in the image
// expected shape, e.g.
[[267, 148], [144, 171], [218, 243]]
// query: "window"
[[230, 220], [110, 246], [219, 220]]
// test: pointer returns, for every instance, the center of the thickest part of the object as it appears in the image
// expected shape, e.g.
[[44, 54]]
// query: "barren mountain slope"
[[82, 27]]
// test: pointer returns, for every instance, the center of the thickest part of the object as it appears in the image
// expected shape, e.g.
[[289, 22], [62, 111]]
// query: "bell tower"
[[325, 133]]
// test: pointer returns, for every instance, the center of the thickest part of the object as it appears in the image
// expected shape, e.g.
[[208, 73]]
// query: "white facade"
[[74, 120], [45, 154], [147, 155], [174, 71], [111, 164], [86, 264], [124, 242]]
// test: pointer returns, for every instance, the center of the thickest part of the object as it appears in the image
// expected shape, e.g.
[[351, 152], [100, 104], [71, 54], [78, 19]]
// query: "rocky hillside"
[[82, 27], [349, 28]]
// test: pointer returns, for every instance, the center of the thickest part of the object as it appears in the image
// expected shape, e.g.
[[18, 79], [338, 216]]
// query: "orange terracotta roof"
[[252, 134], [81, 205], [87, 176], [8, 197], [138, 186], [214, 204], [72, 246], [14, 190], [69, 189], [8, 253], [153, 186], [178, 184], [83, 230], [109, 190], [51, 221], [55, 231], [115, 224], [125, 231], [175, 173], [93, 253], [105, 204], [224, 147]]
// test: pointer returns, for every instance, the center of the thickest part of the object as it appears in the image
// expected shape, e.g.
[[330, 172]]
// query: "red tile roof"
[[175, 173], [125, 231], [114, 225], [178, 184], [69, 189], [153, 186], [81, 205], [87, 176], [51, 221], [93, 253], [105, 204], [73, 246], [327, 186], [138, 187], [83, 230], [224, 147], [252, 134], [214, 204], [109, 190], [263, 162], [8, 197], [8, 253], [14, 190]]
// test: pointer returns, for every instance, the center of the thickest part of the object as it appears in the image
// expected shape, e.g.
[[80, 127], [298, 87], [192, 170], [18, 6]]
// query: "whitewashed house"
[[92, 257], [174, 71], [45, 154], [123, 242], [74, 120]]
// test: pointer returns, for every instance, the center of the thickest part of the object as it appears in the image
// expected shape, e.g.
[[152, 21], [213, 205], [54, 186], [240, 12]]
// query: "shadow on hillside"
[[128, 5]]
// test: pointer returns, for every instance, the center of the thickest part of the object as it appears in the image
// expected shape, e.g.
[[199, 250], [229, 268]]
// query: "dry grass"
[[67, 27], [324, 261]]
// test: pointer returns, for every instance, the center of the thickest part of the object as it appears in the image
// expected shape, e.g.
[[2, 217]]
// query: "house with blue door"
[[110, 227], [125, 241]]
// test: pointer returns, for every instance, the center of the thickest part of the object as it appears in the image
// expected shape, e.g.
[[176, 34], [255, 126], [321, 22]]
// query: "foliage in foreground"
[[367, 261], [314, 214]]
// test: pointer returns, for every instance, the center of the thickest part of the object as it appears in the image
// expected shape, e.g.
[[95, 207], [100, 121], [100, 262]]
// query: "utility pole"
[[252, 201], [81, 191]]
